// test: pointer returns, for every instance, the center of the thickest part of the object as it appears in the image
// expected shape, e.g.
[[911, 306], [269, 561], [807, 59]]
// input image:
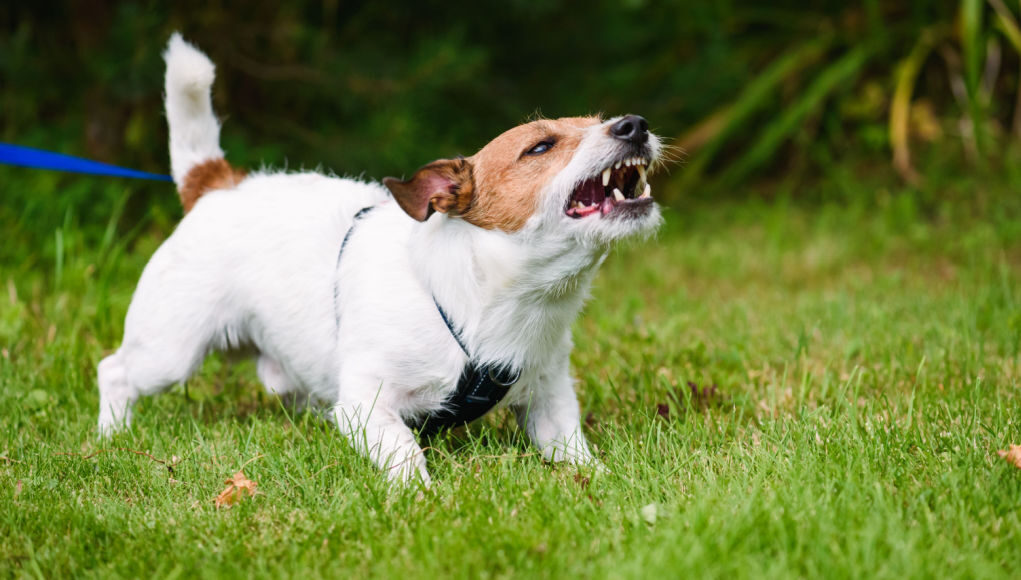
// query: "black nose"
[[631, 128]]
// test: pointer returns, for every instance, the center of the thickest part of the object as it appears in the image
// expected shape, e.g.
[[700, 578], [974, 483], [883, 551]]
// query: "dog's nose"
[[631, 128]]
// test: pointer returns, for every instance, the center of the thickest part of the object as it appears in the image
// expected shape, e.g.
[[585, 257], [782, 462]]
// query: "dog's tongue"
[[606, 206]]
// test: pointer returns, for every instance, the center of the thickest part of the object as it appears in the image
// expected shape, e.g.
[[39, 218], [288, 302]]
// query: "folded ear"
[[445, 186]]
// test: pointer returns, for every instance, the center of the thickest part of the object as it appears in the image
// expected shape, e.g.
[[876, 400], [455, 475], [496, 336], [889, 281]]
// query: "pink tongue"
[[587, 210], [606, 206]]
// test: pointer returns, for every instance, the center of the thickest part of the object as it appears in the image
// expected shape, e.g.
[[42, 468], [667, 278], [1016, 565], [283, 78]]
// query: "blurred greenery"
[[752, 93]]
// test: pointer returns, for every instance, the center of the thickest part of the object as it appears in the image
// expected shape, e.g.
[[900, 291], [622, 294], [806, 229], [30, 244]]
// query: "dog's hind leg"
[[272, 376], [162, 346], [277, 383], [115, 395], [137, 370]]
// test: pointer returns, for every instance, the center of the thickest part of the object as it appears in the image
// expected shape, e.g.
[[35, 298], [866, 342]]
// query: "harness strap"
[[479, 388], [343, 244], [450, 326]]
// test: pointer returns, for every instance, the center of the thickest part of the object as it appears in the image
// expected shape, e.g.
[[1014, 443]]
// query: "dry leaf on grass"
[[582, 480], [1013, 456], [237, 487]]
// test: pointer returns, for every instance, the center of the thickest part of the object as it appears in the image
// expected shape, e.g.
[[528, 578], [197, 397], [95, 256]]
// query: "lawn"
[[808, 386]]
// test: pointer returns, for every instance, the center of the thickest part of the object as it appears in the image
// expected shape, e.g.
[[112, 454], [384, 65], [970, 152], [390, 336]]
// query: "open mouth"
[[622, 186]]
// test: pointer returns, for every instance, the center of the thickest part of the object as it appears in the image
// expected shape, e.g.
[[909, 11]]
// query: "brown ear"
[[445, 186]]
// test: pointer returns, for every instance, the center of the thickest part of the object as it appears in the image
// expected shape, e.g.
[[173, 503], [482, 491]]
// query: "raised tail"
[[196, 160]]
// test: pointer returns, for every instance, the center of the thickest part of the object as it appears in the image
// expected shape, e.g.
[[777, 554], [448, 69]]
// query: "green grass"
[[864, 352]]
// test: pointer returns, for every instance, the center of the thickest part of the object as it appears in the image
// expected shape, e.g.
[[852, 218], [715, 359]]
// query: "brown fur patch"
[[208, 176], [507, 183]]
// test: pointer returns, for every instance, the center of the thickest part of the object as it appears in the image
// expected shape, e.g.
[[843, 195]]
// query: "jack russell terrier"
[[402, 306]]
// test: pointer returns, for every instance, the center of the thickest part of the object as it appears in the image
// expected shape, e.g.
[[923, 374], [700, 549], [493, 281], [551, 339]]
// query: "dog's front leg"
[[550, 416], [382, 436]]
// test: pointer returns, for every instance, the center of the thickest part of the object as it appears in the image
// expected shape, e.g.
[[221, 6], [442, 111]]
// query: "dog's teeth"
[[606, 177], [647, 192], [641, 172], [617, 195], [617, 166], [628, 162]]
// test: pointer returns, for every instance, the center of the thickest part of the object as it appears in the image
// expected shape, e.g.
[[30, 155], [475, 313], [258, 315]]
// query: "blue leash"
[[39, 159]]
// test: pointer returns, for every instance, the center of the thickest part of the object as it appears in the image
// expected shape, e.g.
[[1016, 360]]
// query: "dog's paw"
[[405, 477], [111, 422], [570, 454]]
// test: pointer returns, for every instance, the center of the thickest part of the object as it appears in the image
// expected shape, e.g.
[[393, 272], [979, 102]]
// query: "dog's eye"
[[540, 147]]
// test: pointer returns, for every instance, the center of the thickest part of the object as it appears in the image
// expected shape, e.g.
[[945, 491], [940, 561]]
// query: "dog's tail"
[[196, 160]]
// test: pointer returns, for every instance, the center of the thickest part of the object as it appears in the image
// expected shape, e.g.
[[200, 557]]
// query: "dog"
[[378, 300]]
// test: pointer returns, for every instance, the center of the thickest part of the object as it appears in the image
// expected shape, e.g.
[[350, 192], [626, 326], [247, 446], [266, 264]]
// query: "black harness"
[[480, 387]]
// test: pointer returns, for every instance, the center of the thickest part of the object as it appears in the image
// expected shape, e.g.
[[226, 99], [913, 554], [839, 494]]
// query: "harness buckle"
[[503, 377]]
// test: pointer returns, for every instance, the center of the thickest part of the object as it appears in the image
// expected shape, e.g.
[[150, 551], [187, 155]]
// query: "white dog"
[[456, 289]]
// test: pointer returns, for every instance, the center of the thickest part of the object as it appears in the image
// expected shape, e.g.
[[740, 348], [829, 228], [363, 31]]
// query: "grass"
[[777, 389]]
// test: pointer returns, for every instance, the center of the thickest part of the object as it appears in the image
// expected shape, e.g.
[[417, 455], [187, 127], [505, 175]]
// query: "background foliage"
[[749, 91]]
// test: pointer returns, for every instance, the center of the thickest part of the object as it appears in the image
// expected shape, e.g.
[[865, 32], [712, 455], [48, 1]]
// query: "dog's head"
[[583, 176]]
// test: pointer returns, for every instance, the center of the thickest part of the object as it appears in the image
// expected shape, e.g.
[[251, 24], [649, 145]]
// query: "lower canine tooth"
[[647, 192], [606, 177], [617, 195]]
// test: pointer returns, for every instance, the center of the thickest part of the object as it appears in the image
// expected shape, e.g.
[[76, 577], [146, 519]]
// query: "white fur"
[[256, 266], [194, 131]]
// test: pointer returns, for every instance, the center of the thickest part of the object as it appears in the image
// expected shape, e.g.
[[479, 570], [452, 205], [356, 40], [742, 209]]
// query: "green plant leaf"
[[972, 52], [777, 132], [727, 121], [900, 107]]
